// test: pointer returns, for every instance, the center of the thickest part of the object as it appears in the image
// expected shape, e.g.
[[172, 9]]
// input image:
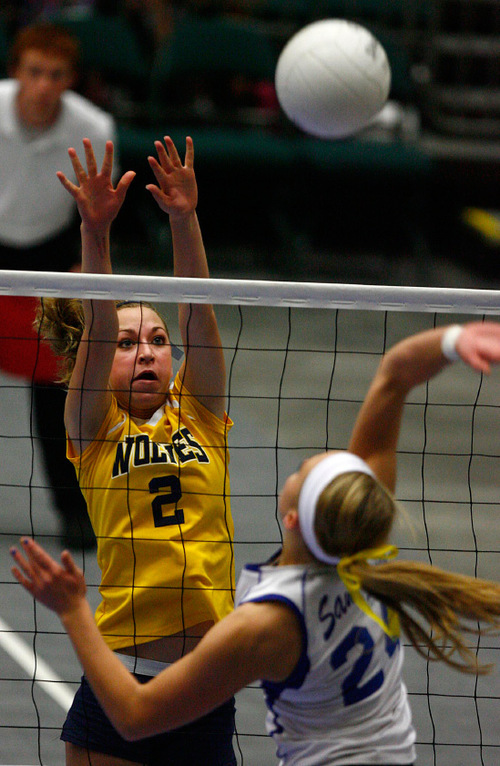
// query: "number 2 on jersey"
[[353, 690], [171, 497]]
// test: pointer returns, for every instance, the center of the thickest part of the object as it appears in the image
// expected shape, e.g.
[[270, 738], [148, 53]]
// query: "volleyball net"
[[300, 357]]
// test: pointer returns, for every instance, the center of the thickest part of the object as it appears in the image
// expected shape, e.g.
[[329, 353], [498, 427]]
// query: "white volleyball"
[[332, 78]]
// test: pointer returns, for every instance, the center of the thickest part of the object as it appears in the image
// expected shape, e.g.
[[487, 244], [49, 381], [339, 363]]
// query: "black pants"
[[56, 254], [59, 253], [48, 412]]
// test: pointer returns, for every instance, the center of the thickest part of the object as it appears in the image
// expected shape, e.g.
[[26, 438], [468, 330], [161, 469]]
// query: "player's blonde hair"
[[355, 512], [61, 322]]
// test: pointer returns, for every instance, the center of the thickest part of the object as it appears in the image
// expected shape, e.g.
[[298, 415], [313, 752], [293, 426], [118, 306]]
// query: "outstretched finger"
[[124, 183], [164, 158], [23, 572], [90, 157], [21, 562], [73, 190], [107, 163], [158, 195], [37, 556], [68, 563], [24, 581], [172, 152], [160, 172], [74, 572], [189, 159], [80, 173]]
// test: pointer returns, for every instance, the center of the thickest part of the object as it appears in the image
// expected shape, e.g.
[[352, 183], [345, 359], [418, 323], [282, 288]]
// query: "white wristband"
[[449, 342]]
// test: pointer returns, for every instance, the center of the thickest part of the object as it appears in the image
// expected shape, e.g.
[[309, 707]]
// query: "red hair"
[[47, 38]]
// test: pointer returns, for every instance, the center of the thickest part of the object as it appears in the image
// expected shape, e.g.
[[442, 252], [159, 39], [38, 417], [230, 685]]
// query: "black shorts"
[[205, 742]]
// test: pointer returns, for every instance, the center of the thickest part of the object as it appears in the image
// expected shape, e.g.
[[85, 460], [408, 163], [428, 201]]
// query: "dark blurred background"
[[411, 200]]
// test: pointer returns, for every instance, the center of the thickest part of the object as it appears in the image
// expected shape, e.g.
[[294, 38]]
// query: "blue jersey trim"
[[296, 678], [270, 561]]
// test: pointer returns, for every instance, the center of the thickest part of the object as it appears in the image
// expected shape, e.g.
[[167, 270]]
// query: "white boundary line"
[[46, 678], [250, 292]]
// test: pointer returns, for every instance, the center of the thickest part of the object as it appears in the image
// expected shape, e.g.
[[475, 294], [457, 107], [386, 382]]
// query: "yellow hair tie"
[[353, 585]]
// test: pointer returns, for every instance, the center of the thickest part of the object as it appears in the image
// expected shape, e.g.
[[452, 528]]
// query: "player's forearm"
[[406, 365], [414, 360], [100, 316], [376, 431], [96, 257], [197, 321], [111, 682], [190, 258]]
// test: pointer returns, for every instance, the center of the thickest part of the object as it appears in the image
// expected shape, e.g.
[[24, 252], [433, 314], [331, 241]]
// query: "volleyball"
[[332, 78]]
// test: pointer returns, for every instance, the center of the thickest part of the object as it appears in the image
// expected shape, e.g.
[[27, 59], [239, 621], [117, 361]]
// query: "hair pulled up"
[[61, 322], [437, 609]]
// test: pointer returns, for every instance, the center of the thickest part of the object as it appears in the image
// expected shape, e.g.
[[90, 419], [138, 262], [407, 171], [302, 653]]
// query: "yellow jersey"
[[158, 499]]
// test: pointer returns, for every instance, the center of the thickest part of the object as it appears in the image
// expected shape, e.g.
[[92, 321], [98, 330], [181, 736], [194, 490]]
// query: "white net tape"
[[250, 292]]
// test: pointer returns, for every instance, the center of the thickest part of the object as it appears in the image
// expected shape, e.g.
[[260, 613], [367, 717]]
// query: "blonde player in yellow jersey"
[[151, 458]]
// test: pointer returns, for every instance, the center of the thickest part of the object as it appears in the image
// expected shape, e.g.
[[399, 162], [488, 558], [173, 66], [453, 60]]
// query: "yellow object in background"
[[485, 222]]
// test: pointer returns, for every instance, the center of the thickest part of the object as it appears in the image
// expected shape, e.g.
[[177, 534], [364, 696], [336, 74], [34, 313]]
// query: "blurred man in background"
[[40, 117]]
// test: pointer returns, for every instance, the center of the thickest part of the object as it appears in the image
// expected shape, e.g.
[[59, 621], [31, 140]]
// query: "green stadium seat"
[[388, 13], [109, 47], [291, 11], [194, 73]]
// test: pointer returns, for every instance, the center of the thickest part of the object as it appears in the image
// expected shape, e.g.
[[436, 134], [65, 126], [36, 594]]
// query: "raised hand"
[[177, 191], [98, 201], [60, 587], [479, 345]]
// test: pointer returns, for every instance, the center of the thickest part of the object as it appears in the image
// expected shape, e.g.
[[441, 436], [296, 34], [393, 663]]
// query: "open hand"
[[60, 587], [479, 345], [177, 191], [98, 201]]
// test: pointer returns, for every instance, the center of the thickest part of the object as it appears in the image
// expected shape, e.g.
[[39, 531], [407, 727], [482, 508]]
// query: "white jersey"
[[34, 206], [345, 702]]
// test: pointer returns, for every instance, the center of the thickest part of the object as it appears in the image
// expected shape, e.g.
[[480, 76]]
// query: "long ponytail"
[[450, 604], [355, 512]]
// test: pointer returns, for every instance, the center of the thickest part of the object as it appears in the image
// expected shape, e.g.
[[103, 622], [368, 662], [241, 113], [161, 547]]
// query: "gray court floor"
[[278, 400]]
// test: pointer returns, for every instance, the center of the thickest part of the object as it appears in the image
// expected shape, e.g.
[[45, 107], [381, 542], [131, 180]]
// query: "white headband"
[[316, 481]]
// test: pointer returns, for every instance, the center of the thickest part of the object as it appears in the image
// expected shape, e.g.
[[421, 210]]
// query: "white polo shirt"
[[34, 206]]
